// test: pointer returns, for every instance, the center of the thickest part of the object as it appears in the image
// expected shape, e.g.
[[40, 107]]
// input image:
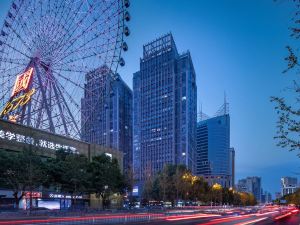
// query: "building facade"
[[107, 112], [266, 197], [277, 195], [165, 98], [232, 166], [289, 185], [16, 138], [251, 185], [215, 158]]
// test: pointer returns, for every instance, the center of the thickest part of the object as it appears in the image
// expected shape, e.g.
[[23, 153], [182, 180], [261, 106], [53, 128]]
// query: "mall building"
[[16, 137]]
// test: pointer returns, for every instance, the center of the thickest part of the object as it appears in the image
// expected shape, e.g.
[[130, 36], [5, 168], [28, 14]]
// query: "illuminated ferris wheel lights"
[[63, 40]]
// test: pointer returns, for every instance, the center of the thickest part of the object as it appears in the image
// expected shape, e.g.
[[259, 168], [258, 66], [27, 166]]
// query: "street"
[[229, 216]]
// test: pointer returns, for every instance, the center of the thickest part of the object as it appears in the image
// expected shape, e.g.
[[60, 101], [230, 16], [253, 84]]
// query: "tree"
[[148, 189], [200, 189], [180, 184], [247, 199], [187, 182], [288, 124], [105, 177], [173, 183], [227, 195], [216, 191], [68, 171], [293, 198], [166, 183], [22, 171], [56, 168], [129, 178]]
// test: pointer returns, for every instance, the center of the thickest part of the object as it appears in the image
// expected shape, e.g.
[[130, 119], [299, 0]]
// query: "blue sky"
[[238, 47]]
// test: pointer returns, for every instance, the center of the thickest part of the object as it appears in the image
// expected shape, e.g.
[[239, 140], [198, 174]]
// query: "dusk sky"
[[237, 47]]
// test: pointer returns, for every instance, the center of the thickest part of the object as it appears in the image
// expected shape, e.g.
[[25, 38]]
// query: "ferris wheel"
[[46, 49]]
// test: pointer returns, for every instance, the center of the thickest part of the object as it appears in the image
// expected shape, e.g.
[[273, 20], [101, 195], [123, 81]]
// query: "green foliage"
[[247, 199], [176, 183], [293, 198], [21, 172], [68, 173], [104, 177], [288, 108]]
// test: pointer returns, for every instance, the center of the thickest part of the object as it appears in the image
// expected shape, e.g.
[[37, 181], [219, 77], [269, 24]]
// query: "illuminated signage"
[[52, 195], [109, 155], [15, 103], [22, 82], [21, 85], [13, 118], [135, 191], [33, 194], [42, 143]]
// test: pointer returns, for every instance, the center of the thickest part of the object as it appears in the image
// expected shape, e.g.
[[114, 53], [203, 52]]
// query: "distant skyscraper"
[[251, 185], [107, 112], [232, 165], [268, 197], [277, 195], [215, 159], [288, 185], [165, 98]]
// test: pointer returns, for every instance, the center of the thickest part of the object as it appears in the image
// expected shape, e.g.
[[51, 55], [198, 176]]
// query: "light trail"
[[68, 219], [225, 220], [282, 216], [252, 221], [188, 217], [266, 213]]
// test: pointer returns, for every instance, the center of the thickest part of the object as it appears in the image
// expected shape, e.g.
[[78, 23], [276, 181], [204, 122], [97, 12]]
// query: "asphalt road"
[[262, 216], [231, 220], [292, 220]]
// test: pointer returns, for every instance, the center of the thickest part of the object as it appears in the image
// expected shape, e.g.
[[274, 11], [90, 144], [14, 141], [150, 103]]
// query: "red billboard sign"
[[22, 82]]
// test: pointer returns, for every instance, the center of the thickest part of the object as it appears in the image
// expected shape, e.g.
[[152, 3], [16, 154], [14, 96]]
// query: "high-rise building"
[[268, 197], [165, 98], [277, 195], [215, 158], [251, 185], [107, 112], [232, 166], [289, 185]]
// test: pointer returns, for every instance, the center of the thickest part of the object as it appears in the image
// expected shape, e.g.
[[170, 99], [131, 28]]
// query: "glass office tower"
[[164, 121], [214, 156], [251, 185], [107, 112]]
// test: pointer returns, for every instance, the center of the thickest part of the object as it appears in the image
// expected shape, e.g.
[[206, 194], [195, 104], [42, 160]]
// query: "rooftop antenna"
[[224, 109], [201, 111], [201, 115], [225, 104]]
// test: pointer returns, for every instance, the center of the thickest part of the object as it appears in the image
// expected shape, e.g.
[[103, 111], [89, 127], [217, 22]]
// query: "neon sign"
[[15, 103], [22, 82]]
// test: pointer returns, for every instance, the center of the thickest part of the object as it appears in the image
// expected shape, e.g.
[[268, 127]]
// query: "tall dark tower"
[[107, 112], [165, 98]]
